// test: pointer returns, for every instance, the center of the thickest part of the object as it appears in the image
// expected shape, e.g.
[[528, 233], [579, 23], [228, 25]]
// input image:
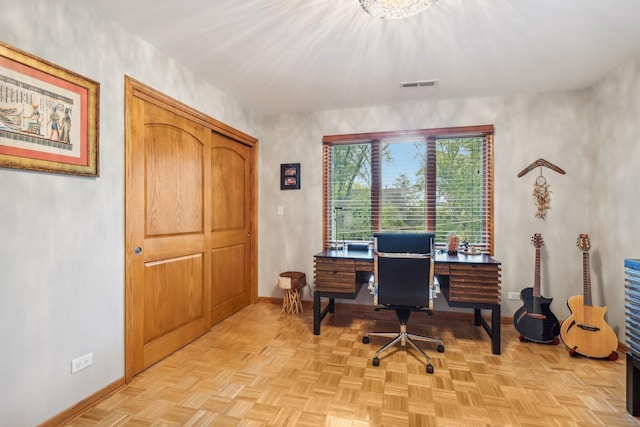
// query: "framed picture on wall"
[[48, 116], [290, 176]]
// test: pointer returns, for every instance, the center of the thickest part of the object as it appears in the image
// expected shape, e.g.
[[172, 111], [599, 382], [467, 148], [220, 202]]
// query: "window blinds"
[[437, 180]]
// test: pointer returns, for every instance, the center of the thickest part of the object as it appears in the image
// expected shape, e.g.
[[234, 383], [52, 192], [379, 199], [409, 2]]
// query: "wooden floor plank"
[[263, 368]]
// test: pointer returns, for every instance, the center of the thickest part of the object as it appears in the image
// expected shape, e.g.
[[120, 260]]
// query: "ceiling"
[[293, 56]]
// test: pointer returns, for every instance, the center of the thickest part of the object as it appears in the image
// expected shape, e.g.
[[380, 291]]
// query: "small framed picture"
[[290, 176]]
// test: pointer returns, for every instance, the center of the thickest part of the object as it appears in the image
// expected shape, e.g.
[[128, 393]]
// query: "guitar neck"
[[586, 280], [536, 277]]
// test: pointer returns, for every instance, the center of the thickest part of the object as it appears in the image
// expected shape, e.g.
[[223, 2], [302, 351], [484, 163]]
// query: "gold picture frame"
[[49, 116]]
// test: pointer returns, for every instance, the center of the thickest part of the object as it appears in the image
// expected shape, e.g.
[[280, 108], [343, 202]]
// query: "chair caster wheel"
[[613, 356], [365, 340], [429, 368], [440, 349], [555, 341], [521, 337], [375, 361]]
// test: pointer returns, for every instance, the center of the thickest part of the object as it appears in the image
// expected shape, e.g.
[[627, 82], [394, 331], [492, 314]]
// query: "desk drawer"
[[474, 283], [335, 264], [335, 275], [441, 268]]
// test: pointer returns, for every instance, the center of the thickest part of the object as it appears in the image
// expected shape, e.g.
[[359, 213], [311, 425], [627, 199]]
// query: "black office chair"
[[403, 268]]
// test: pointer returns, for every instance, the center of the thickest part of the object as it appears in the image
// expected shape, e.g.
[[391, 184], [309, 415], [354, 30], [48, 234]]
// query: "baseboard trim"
[[444, 315], [466, 315], [84, 404]]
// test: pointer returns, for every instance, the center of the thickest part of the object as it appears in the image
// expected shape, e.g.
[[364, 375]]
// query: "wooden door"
[[170, 263], [184, 226], [231, 226]]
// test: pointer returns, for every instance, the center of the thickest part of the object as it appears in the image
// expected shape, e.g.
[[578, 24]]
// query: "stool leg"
[[294, 301], [288, 298], [290, 301], [298, 302], [285, 301]]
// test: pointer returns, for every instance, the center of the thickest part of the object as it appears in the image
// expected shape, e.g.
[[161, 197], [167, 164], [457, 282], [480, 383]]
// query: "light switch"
[[280, 210]]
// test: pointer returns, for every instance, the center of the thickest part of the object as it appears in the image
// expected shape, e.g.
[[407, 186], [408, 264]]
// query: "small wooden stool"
[[292, 282]]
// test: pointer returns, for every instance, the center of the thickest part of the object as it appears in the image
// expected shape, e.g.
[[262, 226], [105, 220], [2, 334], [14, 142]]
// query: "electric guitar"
[[585, 331], [534, 320]]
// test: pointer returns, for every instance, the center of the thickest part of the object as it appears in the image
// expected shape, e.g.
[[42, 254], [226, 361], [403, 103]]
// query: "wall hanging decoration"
[[290, 176], [48, 116], [541, 193]]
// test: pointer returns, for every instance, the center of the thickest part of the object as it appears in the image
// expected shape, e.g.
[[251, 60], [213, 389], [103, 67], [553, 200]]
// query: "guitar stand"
[[573, 352], [554, 341]]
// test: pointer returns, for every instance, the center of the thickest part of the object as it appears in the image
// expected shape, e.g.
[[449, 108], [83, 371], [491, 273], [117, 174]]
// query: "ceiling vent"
[[419, 83]]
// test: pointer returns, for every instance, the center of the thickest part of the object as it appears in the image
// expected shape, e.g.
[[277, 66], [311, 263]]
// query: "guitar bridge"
[[537, 315], [589, 328]]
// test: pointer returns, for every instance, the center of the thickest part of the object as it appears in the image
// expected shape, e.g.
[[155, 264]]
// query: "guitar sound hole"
[[589, 328]]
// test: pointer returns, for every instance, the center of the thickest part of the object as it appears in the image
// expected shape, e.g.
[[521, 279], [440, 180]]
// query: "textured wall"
[[591, 134], [614, 186], [551, 126], [62, 237]]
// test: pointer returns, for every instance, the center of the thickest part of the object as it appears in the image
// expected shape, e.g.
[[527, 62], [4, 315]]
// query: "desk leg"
[[477, 317], [495, 329], [316, 313]]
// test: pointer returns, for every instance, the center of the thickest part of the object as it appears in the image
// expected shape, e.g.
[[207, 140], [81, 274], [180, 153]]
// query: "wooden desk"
[[466, 281]]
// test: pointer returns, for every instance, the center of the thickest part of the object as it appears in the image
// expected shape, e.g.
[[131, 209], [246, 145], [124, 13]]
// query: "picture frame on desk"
[[48, 116], [290, 176]]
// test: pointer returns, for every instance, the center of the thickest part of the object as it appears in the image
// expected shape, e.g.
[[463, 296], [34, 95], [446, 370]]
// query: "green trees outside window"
[[416, 183]]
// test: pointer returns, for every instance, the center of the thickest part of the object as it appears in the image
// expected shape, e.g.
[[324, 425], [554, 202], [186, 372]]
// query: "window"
[[437, 180]]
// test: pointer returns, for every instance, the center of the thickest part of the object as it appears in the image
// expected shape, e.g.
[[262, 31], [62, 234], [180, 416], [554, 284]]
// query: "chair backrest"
[[403, 267]]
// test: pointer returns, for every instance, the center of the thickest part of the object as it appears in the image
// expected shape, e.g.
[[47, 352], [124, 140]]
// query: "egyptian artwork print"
[[35, 116], [45, 118]]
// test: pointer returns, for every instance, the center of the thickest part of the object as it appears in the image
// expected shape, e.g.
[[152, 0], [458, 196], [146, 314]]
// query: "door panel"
[[231, 165], [174, 180], [172, 294], [228, 166], [170, 291]]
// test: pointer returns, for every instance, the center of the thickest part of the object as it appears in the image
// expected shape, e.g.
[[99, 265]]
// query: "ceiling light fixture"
[[395, 9]]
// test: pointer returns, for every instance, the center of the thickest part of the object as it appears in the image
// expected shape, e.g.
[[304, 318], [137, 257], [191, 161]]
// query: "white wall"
[[591, 134], [62, 237], [614, 186], [551, 126]]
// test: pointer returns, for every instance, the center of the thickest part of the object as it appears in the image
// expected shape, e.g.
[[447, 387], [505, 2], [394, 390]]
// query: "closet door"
[[169, 256], [190, 214], [231, 226]]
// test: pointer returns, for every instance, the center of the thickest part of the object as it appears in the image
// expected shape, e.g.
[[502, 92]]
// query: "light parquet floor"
[[263, 368]]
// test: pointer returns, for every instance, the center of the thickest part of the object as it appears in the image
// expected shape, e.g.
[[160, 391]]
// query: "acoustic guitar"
[[534, 320], [585, 331]]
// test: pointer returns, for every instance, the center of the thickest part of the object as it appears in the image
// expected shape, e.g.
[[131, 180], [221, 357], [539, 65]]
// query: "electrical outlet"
[[81, 362], [514, 295]]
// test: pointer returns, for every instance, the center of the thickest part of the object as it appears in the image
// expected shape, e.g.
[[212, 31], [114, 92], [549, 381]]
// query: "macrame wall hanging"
[[541, 193]]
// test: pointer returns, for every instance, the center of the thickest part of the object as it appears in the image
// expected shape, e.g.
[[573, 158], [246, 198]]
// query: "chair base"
[[403, 338]]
